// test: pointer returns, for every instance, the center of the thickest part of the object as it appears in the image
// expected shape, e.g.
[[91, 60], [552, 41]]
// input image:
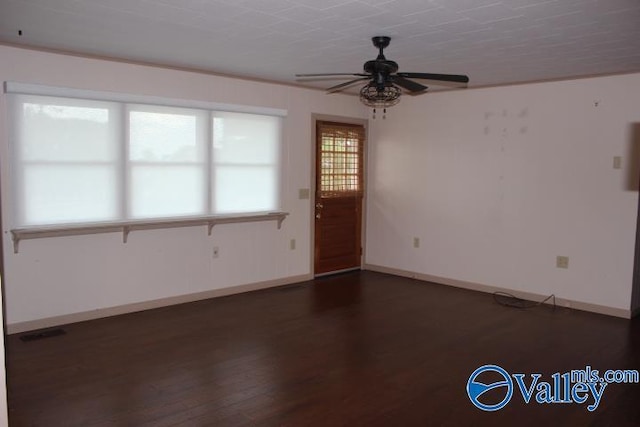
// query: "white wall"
[[497, 182], [60, 276], [3, 389]]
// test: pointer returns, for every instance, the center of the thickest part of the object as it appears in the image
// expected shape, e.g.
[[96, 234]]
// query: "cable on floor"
[[509, 300]]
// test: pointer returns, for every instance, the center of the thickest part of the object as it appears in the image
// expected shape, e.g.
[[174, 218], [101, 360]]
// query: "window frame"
[[125, 222]]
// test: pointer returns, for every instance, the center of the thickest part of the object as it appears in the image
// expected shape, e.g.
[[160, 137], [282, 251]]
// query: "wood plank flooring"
[[358, 349]]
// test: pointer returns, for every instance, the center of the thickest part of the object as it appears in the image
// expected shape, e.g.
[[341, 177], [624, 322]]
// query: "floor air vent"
[[43, 334], [290, 288]]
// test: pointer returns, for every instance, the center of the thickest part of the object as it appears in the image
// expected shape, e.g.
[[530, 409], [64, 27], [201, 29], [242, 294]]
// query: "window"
[[340, 159], [81, 161], [246, 160], [167, 162], [66, 164]]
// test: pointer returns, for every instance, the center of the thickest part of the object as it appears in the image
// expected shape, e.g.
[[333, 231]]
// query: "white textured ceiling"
[[494, 42]]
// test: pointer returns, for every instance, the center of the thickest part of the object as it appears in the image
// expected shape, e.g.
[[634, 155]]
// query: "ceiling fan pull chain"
[[384, 114], [374, 114]]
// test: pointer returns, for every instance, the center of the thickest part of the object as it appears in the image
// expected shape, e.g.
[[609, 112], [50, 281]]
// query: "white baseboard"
[[19, 327], [561, 302], [332, 273]]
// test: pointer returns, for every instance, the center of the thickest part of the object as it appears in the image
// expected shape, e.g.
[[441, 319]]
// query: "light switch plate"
[[562, 261]]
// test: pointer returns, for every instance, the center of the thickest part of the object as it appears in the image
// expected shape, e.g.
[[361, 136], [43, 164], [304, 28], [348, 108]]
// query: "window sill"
[[125, 227]]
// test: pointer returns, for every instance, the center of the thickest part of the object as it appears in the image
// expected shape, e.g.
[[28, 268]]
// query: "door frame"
[[312, 193]]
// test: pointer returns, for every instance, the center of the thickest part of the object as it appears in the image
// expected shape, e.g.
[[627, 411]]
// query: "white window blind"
[[78, 161], [246, 155], [66, 160], [167, 162]]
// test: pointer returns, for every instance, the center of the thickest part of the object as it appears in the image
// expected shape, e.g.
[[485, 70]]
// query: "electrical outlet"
[[416, 242], [216, 252], [292, 244], [562, 261], [617, 162]]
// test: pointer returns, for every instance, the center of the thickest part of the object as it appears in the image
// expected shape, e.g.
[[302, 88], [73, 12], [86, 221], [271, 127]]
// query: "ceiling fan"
[[383, 89]]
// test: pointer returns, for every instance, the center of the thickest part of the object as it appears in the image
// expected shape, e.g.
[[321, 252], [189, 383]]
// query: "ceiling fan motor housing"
[[380, 69]]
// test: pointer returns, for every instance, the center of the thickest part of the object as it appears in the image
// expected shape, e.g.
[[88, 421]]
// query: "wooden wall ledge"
[[125, 227]]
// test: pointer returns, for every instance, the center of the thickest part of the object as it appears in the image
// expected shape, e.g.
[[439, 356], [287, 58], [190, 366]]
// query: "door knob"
[[318, 215], [319, 205]]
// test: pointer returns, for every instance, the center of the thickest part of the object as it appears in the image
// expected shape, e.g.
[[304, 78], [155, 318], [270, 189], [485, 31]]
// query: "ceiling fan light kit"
[[385, 84], [373, 97]]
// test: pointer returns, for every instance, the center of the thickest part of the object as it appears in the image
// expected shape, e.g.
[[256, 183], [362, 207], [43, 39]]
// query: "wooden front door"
[[339, 192]]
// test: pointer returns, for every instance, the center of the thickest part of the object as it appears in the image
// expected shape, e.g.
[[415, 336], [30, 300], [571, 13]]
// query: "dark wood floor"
[[360, 349]]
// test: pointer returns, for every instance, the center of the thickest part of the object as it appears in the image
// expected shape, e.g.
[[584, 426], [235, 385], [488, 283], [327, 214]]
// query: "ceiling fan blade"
[[408, 84], [331, 74], [443, 77], [338, 88]]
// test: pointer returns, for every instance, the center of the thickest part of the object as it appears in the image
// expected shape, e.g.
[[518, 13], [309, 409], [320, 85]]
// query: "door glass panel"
[[340, 160]]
